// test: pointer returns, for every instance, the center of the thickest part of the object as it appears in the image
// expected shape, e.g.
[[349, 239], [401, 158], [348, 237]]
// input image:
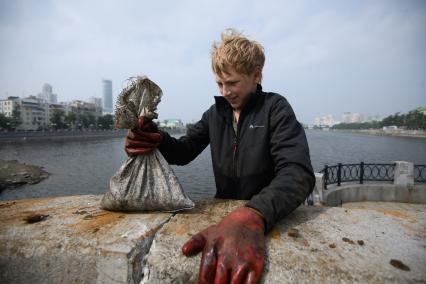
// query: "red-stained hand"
[[233, 250], [144, 139]]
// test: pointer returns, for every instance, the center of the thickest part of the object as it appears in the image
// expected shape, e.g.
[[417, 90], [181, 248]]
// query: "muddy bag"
[[144, 182]]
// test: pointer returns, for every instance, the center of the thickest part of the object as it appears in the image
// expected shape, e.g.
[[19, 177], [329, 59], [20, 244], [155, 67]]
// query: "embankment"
[[12, 137], [381, 132]]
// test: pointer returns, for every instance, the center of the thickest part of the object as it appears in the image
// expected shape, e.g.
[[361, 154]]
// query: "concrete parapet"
[[71, 240], [80, 243], [336, 195], [404, 173], [318, 193]]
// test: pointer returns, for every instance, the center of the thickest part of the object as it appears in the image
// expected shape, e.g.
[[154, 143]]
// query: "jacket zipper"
[[235, 147], [234, 156]]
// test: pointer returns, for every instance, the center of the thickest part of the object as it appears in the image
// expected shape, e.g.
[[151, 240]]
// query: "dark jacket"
[[267, 161]]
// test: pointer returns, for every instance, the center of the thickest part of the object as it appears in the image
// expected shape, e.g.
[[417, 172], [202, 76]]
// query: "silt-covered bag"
[[144, 182]]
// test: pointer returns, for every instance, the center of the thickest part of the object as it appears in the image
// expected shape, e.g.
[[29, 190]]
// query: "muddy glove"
[[233, 250], [144, 139]]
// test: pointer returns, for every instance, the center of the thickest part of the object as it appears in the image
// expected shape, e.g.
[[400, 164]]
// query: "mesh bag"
[[144, 182]]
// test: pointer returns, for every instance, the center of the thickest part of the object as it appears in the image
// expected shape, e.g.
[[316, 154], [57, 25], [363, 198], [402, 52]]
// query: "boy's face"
[[236, 87]]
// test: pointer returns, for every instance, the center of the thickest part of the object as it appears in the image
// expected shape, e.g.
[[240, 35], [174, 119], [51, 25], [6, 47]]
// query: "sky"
[[325, 57]]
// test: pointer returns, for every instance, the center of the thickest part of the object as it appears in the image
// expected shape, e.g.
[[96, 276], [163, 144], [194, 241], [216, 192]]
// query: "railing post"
[[325, 177], [361, 173], [339, 174]]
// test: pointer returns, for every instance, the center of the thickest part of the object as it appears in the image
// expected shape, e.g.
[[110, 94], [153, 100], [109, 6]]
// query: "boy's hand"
[[233, 250], [144, 139]]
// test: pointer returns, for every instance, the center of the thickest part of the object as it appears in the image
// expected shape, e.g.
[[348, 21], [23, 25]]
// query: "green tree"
[[92, 120], [71, 119], [84, 120], [4, 122], [57, 119], [106, 121], [16, 118]]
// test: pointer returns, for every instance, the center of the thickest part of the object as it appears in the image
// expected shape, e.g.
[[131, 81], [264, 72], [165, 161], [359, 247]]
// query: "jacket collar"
[[225, 109]]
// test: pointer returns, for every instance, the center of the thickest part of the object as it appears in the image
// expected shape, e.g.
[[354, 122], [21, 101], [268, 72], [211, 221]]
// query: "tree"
[[92, 120], [87, 120], [57, 119], [70, 119], [16, 118], [105, 121], [4, 122]]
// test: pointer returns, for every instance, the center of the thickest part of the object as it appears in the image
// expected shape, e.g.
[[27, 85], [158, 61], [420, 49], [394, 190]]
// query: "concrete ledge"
[[80, 243], [323, 252], [74, 241], [336, 195]]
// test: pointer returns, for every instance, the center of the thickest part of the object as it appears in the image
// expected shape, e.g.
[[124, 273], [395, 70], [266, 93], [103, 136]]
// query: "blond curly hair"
[[237, 51]]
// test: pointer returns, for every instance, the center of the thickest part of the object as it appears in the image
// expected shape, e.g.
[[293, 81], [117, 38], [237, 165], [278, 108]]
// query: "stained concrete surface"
[[71, 240], [335, 245]]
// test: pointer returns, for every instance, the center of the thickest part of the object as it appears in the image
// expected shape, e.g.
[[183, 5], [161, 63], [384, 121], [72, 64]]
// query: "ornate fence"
[[420, 173], [366, 172], [357, 172]]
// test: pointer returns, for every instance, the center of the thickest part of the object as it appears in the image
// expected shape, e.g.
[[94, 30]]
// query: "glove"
[[144, 139], [233, 250]]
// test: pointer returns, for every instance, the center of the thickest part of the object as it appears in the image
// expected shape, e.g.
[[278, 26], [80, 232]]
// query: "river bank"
[[69, 135], [381, 132], [13, 173]]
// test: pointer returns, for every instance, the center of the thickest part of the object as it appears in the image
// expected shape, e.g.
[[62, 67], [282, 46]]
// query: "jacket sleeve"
[[293, 175], [185, 149]]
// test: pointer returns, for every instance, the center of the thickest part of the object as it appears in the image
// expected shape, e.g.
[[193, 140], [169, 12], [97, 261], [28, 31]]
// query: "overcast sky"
[[325, 57]]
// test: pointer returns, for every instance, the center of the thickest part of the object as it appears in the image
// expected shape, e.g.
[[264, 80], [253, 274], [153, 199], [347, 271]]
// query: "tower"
[[107, 96]]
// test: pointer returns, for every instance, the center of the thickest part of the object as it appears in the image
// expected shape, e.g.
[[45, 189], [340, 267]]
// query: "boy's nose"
[[225, 91]]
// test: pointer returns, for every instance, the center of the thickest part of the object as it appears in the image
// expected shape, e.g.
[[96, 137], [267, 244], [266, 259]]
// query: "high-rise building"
[[107, 96], [47, 95]]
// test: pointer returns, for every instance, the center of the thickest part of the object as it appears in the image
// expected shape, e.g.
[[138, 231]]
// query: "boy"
[[259, 153]]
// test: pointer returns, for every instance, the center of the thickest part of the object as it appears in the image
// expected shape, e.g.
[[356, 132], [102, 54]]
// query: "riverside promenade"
[[71, 240], [68, 135]]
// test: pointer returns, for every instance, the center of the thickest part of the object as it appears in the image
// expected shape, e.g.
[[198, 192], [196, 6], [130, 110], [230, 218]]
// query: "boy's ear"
[[258, 75]]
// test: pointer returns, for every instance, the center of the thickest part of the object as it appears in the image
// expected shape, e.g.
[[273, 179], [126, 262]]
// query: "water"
[[85, 167]]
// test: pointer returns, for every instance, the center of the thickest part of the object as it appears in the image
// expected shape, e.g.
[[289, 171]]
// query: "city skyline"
[[330, 119], [328, 58]]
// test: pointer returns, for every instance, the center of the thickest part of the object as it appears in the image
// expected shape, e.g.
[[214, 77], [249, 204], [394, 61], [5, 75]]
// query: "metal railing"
[[420, 173], [360, 173]]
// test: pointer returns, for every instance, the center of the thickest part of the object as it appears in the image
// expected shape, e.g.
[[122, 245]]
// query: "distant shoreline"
[[381, 132], [74, 135]]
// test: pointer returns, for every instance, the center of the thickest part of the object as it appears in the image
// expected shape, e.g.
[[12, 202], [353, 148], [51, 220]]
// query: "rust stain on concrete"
[[182, 229], [94, 222], [395, 213]]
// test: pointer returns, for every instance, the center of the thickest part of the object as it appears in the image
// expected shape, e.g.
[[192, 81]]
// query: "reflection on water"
[[85, 167]]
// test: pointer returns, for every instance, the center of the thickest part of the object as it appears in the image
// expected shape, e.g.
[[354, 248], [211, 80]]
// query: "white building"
[[96, 101], [174, 124], [84, 108], [32, 110], [352, 117], [325, 121], [35, 113], [7, 106]]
